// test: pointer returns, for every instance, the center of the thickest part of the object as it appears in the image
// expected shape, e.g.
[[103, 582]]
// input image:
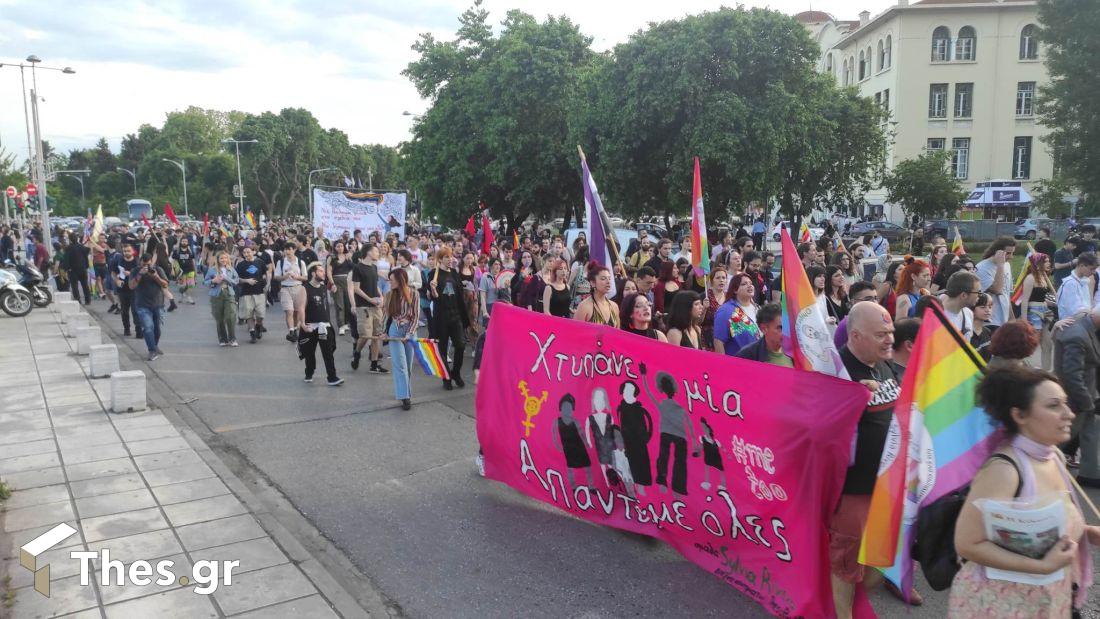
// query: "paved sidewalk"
[[134, 484]]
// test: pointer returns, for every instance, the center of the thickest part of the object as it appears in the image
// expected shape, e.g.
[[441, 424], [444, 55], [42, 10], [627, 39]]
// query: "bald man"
[[870, 346]]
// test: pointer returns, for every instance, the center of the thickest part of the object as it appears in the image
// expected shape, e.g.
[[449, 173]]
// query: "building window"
[[1025, 99], [964, 100], [937, 101], [1029, 43], [888, 51], [966, 46], [881, 56], [1021, 158], [886, 101], [844, 73], [941, 44], [829, 64], [878, 98], [936, 144], [862, 66], [960, 157]]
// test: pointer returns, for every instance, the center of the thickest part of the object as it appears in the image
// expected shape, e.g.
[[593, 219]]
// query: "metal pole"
[[240, 183], [186, 213], [44, 203], [370, 180], [7, 214], [27, 121]]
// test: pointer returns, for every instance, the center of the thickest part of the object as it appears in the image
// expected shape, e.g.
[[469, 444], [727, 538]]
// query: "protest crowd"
[[380, 293]]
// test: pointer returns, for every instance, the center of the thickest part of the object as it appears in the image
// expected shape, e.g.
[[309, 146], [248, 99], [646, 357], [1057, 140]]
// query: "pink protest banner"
[[736, 464]]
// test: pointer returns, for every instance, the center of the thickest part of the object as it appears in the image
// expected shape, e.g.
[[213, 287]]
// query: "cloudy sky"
[[341, 59]]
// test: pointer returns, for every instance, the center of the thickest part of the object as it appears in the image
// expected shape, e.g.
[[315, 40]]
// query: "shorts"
[[100, 271], [845, 533], [292, 298], [253, 306], [186, 279], [370, 320]]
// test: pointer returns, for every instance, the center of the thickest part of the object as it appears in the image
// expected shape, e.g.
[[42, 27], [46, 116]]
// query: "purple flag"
[[598, 248]]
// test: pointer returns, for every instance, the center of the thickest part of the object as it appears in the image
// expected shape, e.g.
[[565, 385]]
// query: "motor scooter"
[[15, 300]]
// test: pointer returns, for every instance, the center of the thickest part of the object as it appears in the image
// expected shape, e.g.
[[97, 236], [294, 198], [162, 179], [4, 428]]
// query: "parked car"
[[654, 230], [815, 233], [888, 230], [1029, 228]]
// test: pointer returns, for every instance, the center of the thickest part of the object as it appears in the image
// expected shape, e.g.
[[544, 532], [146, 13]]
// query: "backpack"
[[934, 545]]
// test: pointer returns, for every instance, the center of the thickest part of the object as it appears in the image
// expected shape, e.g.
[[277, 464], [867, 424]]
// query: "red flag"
[[145, 220], [205, 224], [170, 214], [486, 232], [471, 230], [515, 240]]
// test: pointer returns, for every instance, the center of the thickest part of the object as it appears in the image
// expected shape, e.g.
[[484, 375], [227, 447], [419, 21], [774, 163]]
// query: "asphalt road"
[[398, 493]]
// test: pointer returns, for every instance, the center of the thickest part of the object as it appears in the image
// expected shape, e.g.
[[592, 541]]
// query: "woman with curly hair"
[[848, 266], [1038, 303], [1012, 343], [913, 281], [735, 322]]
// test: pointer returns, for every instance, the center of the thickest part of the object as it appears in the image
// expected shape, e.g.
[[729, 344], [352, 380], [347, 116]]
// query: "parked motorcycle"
[[15, 300], [31, 279]]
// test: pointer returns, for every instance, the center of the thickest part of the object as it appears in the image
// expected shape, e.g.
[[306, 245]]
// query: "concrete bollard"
[[127, 391], [86, 338], [103, 360], [75, 322], [64, 308]]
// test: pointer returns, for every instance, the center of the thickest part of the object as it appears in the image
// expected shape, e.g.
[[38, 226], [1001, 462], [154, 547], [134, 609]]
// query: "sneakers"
[[376, 368], [406, 404], [153, 356], [336, 383], [291, 336], [111, 310], [233, 343], [308, 379], [172, 305], [480, 461], [223, 343], [139, 335], [126, 333], [355, 361], [447, 385], [343, 330], [252, 337], [459, 382]]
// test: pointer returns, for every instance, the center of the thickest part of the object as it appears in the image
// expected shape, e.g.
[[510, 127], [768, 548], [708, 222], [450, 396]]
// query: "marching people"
[[366, 303], [290, 272], [340, 264], [148, 284], [121, 267], [402, 307], [450, 316], [222, 281], [315, 329], [252, 273]]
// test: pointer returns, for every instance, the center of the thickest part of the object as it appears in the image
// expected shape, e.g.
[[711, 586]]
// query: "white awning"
[[998, 196]]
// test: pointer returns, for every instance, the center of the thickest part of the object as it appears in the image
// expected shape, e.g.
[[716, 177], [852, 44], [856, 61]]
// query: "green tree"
[[1070, 103], [924, 186], [498, 128], [1049, 198]]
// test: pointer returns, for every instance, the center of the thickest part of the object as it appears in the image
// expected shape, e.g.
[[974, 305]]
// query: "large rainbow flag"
[[938, 442], [427, 353], [957, 247], [1018, 289], [700, 248], [805, 336]]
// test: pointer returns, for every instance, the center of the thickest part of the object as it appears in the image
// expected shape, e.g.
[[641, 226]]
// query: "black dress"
[[636, 425], [576, 456], [560, 300]]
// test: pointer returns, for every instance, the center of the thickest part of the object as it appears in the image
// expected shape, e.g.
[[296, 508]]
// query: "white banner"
[[337, 211]]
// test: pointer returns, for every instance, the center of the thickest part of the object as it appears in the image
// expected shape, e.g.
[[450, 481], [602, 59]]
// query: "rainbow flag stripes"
[[427, 353], [700, 248], [938, 440]]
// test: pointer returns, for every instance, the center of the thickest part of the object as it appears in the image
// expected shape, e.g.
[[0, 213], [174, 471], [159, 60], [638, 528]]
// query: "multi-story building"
[[955, 75]]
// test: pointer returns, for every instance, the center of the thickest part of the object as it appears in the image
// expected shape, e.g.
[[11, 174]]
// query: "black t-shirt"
[[78, 258], [316, 303], [185, 256], [120, 267], [308, 256], [874, 424], [367, 277], [148, 292], [254, 269]]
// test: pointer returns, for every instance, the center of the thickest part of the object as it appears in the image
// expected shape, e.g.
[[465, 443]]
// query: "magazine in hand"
[[1029, 528]]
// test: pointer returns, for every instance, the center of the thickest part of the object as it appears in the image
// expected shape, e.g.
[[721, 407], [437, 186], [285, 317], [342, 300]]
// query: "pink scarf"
[[1027, 450]]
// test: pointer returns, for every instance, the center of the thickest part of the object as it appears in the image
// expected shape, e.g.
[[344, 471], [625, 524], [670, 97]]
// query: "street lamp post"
[[309, 185], [78, 175], [133, 175], [240, 184], [35, 156], [182, 165]]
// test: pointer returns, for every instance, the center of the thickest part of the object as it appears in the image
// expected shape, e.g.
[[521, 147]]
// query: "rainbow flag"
[[805, 337], [700, 248], [427, 353], [1018, 289], [942, 439], [251, 220], [957, 244], [804, 235]]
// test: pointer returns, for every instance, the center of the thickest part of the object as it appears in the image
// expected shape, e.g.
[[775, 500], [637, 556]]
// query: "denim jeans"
[[401, 356], [150, 319]]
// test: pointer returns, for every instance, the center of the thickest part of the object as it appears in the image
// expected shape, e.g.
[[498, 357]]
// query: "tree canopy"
[[925, 186]]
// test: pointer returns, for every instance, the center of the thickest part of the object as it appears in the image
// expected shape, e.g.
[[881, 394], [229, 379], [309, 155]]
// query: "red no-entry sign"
[[31, 189], [10, 191]]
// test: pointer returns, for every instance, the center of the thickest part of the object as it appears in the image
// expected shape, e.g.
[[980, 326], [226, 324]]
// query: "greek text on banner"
[[736, 464]]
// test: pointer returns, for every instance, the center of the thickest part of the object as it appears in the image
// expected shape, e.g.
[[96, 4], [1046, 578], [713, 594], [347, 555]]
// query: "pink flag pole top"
[[700, 247], [736, 464]]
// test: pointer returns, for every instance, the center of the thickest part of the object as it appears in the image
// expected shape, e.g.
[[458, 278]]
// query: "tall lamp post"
[[240, 184], [79, 176], [35, 156], [133, 175], [309, 184], [182, 165]]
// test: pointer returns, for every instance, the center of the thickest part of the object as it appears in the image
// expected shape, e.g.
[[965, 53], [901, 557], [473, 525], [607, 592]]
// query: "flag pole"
[[609, 232]]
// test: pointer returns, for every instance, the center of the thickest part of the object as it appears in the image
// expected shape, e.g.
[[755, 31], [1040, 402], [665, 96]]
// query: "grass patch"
[[5, 490]]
